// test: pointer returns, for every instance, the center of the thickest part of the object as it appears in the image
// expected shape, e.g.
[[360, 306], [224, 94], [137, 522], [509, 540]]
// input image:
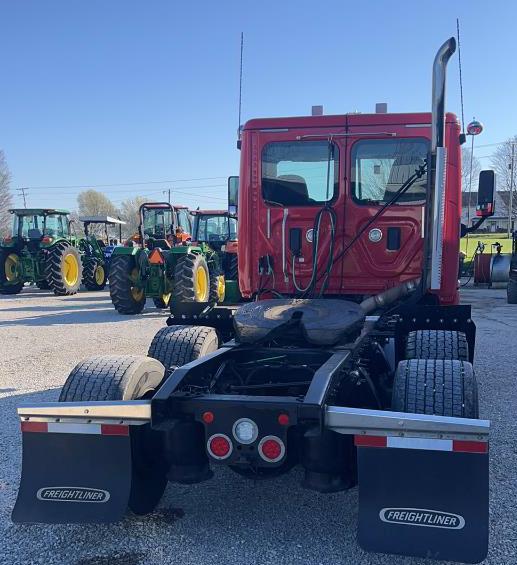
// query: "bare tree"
[[129, 213], [6, 199], [502, 164], [94, 203], [466, 155]]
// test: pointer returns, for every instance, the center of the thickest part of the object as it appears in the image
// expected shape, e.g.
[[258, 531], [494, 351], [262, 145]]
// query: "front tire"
[[126, 296], [511, 291], [64, 269], [439, 387], [10, 279], [95, 276], [129, 377], [191, 279]]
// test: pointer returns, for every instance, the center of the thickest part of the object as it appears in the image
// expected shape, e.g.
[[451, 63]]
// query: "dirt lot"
[[225, 520]]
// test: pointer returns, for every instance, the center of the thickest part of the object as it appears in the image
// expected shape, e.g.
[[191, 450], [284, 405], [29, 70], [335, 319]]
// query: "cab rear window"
[[300, 173], [381, 166]]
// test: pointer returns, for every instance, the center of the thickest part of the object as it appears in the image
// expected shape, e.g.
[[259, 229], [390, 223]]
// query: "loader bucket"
[[73, 473]]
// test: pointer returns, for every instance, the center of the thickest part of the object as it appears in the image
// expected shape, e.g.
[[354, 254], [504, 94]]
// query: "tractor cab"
[[37, 227], [214, 227], [98, 248], [163, 225]]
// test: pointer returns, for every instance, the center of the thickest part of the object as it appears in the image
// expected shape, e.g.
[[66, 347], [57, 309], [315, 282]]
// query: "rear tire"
[[175, 346], [232, 267], [95, 276], [126, 297], [162, 301], [511, 291], [191, 279], [436, 386], [64, 269], [10, 281], [128, 377], [437, 344], [217, 284]]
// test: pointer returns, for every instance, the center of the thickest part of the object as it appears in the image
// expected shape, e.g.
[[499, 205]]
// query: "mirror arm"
[[464, 230]]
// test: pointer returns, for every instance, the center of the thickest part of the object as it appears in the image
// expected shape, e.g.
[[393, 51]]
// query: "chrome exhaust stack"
[[436, 182]]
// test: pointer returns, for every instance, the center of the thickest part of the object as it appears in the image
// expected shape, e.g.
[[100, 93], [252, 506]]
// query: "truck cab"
[[349, 165]]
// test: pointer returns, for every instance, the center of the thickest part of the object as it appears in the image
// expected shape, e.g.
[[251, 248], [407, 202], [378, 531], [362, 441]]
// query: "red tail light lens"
[[208, 417], [219, 446], [271, 449]]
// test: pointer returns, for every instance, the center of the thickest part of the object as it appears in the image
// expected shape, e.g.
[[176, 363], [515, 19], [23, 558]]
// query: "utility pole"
[[510, 200], [22, 190], [168, 192]]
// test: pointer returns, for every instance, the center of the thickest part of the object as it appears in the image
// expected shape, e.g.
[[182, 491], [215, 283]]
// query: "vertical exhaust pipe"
[[436, 182]]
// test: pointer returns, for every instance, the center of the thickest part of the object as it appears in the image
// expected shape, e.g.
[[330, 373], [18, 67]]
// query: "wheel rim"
[[136, 293], [220, 288], [99, 274], [201, 285], [11, 268], [70, 269]]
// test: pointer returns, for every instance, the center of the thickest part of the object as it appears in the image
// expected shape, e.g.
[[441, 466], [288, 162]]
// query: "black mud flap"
[[74, 477], [429, 500]]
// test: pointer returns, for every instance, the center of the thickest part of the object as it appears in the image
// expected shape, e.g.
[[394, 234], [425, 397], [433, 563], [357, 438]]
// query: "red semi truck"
[[352, 358]]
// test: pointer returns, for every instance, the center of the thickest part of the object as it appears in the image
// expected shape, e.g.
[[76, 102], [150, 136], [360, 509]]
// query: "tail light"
[[47, 239], [271, 449], [219, 446]]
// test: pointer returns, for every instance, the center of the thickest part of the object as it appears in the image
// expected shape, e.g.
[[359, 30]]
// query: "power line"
[[22, 190], [127, 183], [124, 190]]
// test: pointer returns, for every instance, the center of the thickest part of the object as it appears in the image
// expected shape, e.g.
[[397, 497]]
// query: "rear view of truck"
[[359, 380]]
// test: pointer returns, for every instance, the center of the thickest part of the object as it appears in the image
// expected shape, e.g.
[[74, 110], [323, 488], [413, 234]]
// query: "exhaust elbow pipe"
[[432, 261], [438, 103]]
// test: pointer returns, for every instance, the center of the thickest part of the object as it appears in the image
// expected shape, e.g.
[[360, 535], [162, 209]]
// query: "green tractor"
[[163, 264], [218, 230], [40, 250], [96, 251]]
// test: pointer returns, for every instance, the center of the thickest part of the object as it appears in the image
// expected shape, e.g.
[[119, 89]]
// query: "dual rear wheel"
[[436, 377]]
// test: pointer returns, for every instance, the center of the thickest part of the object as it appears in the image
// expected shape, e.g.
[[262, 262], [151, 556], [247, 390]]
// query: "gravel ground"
[[228, 519]]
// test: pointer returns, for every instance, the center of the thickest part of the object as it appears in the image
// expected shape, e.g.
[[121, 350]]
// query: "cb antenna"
[[240, 92], [461, 78]]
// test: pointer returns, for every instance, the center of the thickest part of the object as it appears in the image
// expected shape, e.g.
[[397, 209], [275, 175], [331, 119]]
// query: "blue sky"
[[118, 91]]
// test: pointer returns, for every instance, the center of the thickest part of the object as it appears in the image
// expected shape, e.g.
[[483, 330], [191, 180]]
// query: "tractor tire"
[[217, 285], [191, 279], [95, 276], [129, 377], [162, 301], [511, 291], [437, 344], [10, 281], [64, 269], [440, 387], [175, 346], [126, 297], [232, 267], [43, 285]]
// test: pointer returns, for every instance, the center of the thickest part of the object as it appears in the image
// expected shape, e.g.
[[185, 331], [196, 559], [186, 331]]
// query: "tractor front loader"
[[96, 251], [353, 358], [40, 250], [163, 264]]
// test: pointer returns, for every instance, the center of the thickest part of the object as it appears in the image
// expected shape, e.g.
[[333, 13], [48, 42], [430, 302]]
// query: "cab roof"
[[100, 220], [343, 120], [38, 211], [209, 212]]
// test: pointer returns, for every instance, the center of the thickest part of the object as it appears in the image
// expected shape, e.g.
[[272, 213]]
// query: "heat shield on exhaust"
[[74, 477]]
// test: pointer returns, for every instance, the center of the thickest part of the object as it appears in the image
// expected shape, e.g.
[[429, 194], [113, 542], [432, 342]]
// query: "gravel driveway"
[[226, 520]]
